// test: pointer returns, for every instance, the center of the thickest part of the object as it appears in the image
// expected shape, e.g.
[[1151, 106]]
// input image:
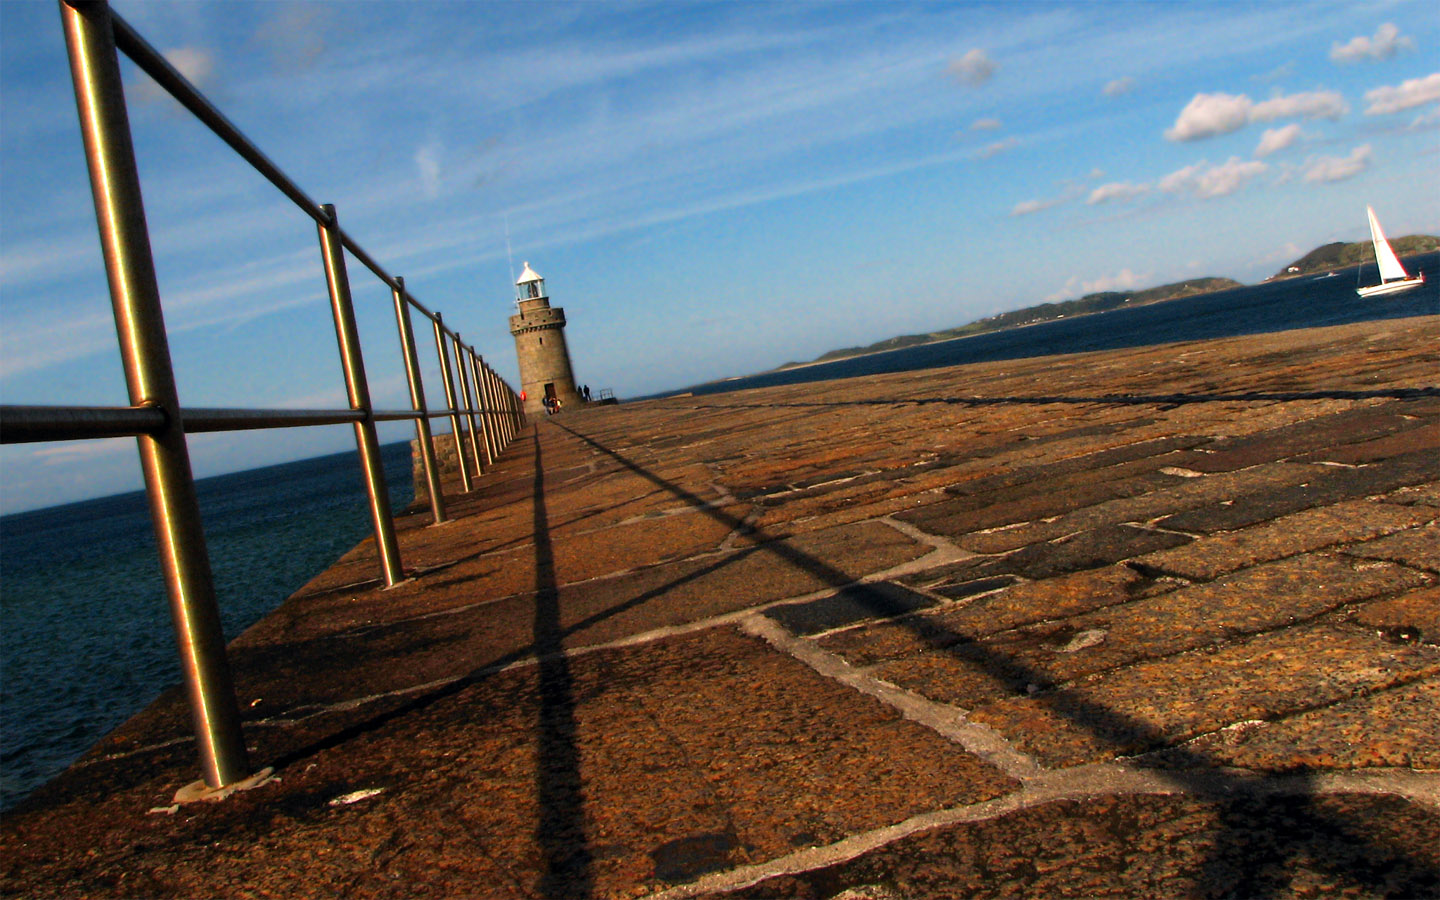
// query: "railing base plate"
[[199, 791]]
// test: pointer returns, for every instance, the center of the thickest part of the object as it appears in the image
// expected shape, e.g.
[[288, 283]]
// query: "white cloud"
[[1181, 178], [1385, 44], [1325, 169], [1227, 178], [1206, 181], [1075, 286], [996, 148], [1116, 190], [1123, 280], [1308, 105], [1410, 94], [985, 125], [82, 451], [427, 164], [1276, 139], [974, 68], [197, 65], [1026, 207], [1119, 86], [1211, 115], [1279, 73]]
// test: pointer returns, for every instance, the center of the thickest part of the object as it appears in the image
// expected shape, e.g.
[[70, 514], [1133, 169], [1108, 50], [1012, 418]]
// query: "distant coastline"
[[1325, 258], [1329, 257]]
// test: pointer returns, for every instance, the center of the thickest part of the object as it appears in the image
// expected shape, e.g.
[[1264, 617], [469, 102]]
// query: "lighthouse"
[[539, 331]]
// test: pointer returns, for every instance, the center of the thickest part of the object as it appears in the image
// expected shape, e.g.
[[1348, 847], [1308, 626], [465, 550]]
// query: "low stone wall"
[[445, 455]]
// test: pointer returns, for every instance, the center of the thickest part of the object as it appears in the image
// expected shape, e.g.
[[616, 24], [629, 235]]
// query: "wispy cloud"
[[1075, 286], [985, 125], [1307, 105], [1279, 73], [1116, 190], [1407, 95], [1118, 87], [1211, 115], [974, 68], [1201, 180], [427, 166], [1325, 169], [995, 149], [294, 34], [195, 63], [1071, 191], [1386, 43], [240, 293], [1429, 118], [82, 451], [1026, 207], [1277, 139], [1206, 181]]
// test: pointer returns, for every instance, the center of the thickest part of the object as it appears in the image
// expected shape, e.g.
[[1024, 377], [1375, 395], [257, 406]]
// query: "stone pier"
[[1143, 623]]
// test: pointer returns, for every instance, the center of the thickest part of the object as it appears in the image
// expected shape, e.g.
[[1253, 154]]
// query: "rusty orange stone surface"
[[1152, 622]]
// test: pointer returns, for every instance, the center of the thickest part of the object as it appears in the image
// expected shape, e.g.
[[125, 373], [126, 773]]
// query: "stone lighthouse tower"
[[539, 331]]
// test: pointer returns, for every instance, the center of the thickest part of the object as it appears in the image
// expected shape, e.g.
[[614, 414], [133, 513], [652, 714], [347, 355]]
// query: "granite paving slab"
[[1164, 702], [1314, 529], [1149, 847], [1150, 622], [1041, 656]]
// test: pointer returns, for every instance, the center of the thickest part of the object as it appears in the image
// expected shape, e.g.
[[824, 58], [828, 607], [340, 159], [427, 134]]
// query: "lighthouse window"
[[542, 342]]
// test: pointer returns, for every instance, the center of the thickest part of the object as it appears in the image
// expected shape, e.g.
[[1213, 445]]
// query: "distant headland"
[[1322, 259], [1339, 255]]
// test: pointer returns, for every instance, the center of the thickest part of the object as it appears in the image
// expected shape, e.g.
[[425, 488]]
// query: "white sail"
[[1393, 277], [1390, 268]]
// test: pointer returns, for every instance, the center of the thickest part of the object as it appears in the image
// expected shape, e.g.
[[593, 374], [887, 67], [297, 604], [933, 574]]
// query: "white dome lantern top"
[[529, 286]]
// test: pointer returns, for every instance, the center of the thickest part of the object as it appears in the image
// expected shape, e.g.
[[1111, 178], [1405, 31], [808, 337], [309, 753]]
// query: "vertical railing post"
[[476, 444], [498, 404], [511, 427], [509, 397], [150, 377], [417, 401], [481, 407], [442, 349], [502, 403], [519, 409], [487, 405], [352, 362]]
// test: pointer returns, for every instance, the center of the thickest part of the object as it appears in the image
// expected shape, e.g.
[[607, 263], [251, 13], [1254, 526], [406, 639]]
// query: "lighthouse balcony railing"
[[483, 407]]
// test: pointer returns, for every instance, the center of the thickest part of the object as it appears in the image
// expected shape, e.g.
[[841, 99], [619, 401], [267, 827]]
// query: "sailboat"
[[1393, 277]]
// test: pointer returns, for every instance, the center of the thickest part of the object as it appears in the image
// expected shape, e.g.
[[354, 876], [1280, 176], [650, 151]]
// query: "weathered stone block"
[[1162, 703], [1328, 487], [1313, 529]]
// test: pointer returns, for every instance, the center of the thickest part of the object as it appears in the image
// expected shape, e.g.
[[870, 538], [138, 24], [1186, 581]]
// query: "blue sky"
[[708, 189]]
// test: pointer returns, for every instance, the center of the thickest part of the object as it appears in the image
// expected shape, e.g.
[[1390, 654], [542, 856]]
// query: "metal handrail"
[[94, 36], [34, 424]]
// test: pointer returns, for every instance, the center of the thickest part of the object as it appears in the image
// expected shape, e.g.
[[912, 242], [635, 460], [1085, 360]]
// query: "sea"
[[85, 639], [85, 636], [1309, 301]]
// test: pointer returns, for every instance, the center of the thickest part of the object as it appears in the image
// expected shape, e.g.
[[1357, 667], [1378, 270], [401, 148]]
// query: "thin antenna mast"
[[509, 257]]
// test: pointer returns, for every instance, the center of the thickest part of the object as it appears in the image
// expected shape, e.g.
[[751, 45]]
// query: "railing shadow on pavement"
[[1245, 804], [1163, 401], [1283, 809]]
